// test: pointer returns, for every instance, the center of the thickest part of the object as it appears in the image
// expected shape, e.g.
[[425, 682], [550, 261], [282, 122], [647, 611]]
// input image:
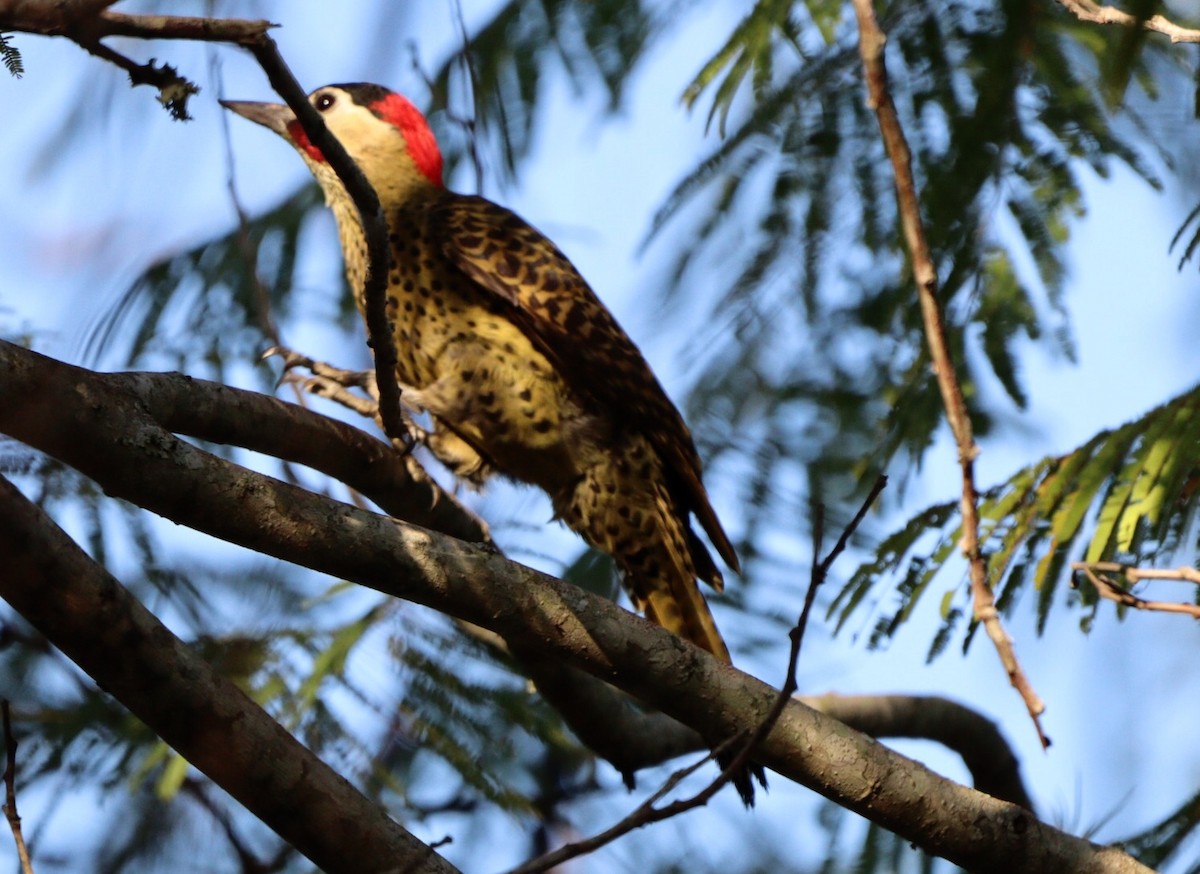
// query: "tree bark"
[[208, 720], [108, 435]]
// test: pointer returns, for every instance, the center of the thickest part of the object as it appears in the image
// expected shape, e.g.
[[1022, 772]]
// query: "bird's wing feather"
[[555, 307]]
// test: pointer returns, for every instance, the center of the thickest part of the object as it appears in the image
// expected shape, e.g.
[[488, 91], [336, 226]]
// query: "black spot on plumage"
[[508, 266], [575, 318]]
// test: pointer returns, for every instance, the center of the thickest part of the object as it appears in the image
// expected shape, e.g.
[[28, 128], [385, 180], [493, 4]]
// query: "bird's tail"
[[624, 508]]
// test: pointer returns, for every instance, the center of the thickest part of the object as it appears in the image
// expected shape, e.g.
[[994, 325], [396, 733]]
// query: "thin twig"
[[646, 813], [1107, 587], [871, 43], [79, 22], [173, 89], [10, 790], [374, 228], [1087, 10]]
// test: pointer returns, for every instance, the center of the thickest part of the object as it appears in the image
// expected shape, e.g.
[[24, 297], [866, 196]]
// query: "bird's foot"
[[337, 384], [330, 382]]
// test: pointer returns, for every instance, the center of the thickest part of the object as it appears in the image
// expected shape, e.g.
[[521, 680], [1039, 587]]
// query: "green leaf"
[[11, 57], [1135, 480]]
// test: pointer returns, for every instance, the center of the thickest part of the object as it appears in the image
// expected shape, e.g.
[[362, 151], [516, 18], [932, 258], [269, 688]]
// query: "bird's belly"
[[483, 379]]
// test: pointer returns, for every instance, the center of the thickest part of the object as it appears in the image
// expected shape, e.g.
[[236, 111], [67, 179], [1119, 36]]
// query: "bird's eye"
[[325, 101]]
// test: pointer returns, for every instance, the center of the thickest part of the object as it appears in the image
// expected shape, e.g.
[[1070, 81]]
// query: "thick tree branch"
[[130, 654], [215, 412], [603, 718], [67, 413], [871, 43], [993, 765]]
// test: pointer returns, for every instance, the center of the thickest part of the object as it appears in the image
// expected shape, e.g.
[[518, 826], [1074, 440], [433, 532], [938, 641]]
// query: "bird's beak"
[[274, 116]]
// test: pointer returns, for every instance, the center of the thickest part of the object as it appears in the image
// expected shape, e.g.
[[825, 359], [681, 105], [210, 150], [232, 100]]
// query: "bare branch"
[[173, 89], [243, 32], [374, 229], [871, 43], [68, 413], [993, 765], [211, 411], [1090, 11], [646, 813], [1097, 574], [10, 790], [212, 723]]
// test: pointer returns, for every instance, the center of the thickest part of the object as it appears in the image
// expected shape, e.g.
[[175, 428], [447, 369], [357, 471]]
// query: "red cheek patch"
[[422, 145], [300, 138]]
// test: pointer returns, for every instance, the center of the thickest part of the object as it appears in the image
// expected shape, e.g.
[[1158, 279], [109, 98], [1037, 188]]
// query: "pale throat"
[[409, 189]]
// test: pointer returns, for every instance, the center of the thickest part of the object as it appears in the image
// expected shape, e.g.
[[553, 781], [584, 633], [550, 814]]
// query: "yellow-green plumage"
[[522, 369]]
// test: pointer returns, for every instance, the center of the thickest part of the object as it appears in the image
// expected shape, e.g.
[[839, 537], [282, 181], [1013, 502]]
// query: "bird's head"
[[382, 131]]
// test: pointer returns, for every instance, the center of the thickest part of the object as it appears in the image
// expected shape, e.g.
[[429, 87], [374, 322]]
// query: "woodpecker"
[[521, 368]]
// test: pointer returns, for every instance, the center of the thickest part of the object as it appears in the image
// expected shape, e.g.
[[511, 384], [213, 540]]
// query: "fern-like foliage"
[[814, 355], [210, 304], [506, 63], [1129, 494], [1159, 845], [11, 57]]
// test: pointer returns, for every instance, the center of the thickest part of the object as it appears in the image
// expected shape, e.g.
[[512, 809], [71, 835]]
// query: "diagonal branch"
[[871, 43], [10, 789], [108, 633], [646, 813], [602, 717], [84, 22], [102, 432]]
